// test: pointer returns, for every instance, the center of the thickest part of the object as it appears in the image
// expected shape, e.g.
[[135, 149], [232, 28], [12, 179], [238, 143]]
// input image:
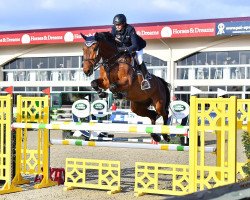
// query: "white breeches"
[[139, 56]]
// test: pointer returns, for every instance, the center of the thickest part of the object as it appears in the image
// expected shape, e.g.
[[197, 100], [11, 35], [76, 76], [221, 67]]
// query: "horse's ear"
[[83, 36], [97, 36]]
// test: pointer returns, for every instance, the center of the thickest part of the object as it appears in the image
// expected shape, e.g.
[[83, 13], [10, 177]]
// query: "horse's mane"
[[106, 37]]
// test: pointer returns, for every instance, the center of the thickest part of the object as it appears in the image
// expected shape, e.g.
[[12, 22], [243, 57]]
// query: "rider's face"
[[119, 27]]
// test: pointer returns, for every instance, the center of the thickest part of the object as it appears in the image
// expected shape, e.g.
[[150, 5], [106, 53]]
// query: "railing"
[[192, 72], [70, 74]]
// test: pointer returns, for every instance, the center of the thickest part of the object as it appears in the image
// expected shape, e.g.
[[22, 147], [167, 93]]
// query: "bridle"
[[98, 60], [93, 61]]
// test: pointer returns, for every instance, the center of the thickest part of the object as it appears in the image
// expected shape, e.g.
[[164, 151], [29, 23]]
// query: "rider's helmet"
[[119, 19]]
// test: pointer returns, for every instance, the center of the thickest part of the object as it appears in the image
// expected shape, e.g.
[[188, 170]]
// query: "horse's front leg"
[[120, 85], [97, 85], [142, 110]]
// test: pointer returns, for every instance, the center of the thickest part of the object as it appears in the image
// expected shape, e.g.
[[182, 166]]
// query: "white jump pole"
[[165, 147], [144, 140], [109, 127]]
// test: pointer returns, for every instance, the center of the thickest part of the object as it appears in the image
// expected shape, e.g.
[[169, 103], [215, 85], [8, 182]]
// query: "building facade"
[[206, 54]]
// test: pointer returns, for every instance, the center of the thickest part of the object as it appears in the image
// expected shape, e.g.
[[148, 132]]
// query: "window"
[[234, 88], [13, 64], [75, 62], [68, 62], [44, 63], [201, 58], [211, 58], [233, 58], [28, 63], [52, 62], [215, 88], [182, 88], [59, 62], [222, 58], [20, 64], [182, 62], [36, 63], [153, 61], [245, 57], [191, 60]]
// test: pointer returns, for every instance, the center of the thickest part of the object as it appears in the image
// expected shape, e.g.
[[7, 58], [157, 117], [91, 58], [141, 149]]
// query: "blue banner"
[[233, 28]]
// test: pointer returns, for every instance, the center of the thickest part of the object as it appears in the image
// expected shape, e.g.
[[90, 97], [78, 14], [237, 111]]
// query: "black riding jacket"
[[127, 37]]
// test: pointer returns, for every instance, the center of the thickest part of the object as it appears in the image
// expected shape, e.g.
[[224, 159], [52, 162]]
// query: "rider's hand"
[[122, 49]]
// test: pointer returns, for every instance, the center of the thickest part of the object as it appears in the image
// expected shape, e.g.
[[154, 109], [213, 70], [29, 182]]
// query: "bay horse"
[[119, 76]]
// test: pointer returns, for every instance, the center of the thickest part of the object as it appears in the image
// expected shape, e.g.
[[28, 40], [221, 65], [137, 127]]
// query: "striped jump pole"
[[144, 140], [165, 147], [109, 127]]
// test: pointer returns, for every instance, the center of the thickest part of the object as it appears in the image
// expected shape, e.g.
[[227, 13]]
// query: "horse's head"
[[90, 54], [101, 45]]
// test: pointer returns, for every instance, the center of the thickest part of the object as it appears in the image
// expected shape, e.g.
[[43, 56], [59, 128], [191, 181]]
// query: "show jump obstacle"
[[33, 112]]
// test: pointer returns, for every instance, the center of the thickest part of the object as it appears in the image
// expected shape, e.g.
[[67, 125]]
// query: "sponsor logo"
[[233, 28], [221, 28], [98, 106], [81, 106], [25, 39], [166, 32], [69, 37], [179, 108]]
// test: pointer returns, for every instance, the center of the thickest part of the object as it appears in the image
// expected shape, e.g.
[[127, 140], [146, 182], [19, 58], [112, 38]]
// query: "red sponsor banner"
[[73, 35], [177, 31], [48, 37]]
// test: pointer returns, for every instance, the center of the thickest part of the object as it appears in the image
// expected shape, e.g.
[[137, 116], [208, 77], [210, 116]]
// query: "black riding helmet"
[[120, 19]]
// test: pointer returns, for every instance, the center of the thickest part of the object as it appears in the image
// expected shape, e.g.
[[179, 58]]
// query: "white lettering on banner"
[[10, 40], [176, 31], [48, 37], [33, 38], [204, 30], [58, 37], [13, 39], [149, 33]]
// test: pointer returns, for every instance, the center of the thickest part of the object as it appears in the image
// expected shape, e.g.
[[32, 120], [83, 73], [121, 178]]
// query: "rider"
[[128, 41]]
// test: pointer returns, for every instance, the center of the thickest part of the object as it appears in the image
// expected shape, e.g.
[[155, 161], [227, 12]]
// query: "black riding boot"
[[145, 84]]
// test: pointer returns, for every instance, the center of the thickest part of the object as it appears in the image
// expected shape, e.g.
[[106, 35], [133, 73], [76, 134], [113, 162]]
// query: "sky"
[[40, 14]]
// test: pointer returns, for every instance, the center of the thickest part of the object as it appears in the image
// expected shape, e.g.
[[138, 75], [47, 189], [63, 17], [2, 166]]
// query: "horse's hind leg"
[[166, 137], [160, 109]]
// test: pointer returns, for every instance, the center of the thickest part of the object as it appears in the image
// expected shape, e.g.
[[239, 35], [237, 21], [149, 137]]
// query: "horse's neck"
[[108, 52]]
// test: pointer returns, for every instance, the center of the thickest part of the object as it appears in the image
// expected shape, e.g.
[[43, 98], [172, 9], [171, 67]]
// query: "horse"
[[119, 76]]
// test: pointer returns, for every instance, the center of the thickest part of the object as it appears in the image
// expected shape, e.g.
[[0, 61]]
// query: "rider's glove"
[[122, 49]]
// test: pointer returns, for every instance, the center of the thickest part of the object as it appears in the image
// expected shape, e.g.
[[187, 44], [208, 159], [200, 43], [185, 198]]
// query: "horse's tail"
[[167, 88]]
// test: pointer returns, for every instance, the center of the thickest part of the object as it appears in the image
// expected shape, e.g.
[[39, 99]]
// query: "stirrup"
[[145, 85]]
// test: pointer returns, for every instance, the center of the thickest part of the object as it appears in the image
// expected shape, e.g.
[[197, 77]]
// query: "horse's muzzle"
[[88, 73]]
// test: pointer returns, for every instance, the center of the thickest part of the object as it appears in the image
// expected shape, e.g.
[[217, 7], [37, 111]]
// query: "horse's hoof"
[[117, 96], [103, 94], [166, 137], [156, 137], [112, 87]]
